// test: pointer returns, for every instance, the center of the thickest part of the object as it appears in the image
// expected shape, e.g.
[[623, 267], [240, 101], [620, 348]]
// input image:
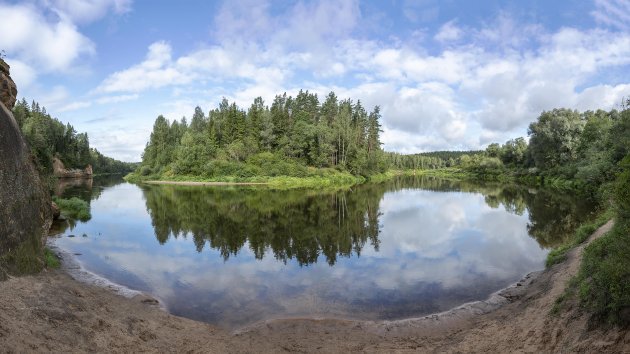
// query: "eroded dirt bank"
[[53, 312]]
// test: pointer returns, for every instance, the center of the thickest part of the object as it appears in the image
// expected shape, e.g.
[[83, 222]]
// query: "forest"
[[296, 137], [48, 138], [302, 137]]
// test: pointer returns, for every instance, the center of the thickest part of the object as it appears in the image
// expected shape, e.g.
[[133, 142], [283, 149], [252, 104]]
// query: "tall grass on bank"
[[51, 259], [312, 178], [604, 278], [603, 281], [559, 254], [74, 208]]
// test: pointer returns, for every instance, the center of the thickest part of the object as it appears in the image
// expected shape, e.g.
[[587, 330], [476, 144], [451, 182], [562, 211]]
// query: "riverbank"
[[320, 179], [192, 183], [53, 312]]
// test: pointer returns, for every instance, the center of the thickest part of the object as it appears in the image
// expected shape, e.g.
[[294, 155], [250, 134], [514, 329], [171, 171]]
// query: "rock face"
[[25, 213], [56, 212], [60, 171], [8, 90]]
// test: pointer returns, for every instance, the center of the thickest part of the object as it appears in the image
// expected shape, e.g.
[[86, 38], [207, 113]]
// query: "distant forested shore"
[[338, 142], [49, 138]]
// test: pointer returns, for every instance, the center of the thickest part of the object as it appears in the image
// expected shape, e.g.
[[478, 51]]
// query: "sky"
[[447, 74]]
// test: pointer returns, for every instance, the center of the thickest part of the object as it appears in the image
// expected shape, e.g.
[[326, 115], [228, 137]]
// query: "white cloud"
[[86, 11], [23, 74], [486, 84], [448, 32], [74, 106], [117, 99], [48, 44], [157, 70], [614, 13]]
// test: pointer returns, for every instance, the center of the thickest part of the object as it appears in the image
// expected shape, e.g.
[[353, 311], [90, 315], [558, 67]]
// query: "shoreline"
[[72, 266], [192, 183], [52, 311]]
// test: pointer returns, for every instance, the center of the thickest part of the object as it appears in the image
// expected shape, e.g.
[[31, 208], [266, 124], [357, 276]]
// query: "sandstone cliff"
[[60, 171], [25, 214], [8, 90]]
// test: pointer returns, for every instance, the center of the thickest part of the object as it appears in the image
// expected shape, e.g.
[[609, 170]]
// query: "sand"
[[52, 312]]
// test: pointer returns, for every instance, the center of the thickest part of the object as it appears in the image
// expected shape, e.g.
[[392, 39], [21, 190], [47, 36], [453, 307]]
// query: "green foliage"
[[286, 139], [428, 160], [559, 254], [48, 137], [51, 259], [74, 208], [555, 137], [25, 259], [622, 193], [604, 278]]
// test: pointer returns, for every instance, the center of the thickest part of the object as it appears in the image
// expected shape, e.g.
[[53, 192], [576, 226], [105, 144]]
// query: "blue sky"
[[447, 74]]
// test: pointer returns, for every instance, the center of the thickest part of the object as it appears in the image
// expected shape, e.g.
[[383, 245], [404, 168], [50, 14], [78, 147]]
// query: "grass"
[[51, 259], [315, 179], [74, 208], [604, 278], [603, 281], [559, 254], [24, 259]]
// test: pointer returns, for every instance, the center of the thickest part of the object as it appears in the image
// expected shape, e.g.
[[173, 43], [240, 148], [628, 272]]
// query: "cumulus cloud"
[[41, 42], [155, 71], [448, 32], [476, 85], [73, 106], [86, 11]]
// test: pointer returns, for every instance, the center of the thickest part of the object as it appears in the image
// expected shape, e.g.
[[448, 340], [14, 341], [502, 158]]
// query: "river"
[[232, 256]]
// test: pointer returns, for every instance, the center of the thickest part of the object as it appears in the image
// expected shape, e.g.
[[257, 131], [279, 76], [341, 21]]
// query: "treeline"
[[49, 138], [427, 160], [588, 152], [286, 139], [580, 150]]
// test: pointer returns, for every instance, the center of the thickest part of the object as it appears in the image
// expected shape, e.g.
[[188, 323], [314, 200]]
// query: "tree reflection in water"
[[306, 224]]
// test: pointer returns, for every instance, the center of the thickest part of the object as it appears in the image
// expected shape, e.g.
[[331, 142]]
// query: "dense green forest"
[[296, 137], [428, 160], [302, 137], [48, 138], [567, 149]]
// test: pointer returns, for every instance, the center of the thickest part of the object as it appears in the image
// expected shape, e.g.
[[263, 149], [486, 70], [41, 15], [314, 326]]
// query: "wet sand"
[[52, 312]]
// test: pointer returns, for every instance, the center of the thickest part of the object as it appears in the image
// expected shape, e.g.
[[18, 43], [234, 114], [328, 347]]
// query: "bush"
[[51, 259], [604, 278], [74, 208], [145, 171], [559, 254]]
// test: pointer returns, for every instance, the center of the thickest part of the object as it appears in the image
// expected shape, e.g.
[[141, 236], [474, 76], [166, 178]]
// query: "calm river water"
[[232, 256]]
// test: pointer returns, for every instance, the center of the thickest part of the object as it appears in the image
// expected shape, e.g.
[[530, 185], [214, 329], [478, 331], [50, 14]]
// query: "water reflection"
[[303, 225], [293, 224], [232, 256]]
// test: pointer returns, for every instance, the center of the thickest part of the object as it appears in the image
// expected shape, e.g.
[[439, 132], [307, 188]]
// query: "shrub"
[[145, 171], [51, 259], [74, 208], [604, 278]]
